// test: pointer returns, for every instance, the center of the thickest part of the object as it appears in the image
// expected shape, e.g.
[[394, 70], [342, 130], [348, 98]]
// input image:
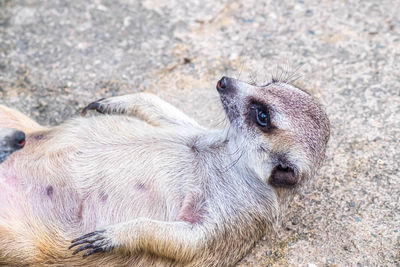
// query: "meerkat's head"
[[11, 140], [281, 131]]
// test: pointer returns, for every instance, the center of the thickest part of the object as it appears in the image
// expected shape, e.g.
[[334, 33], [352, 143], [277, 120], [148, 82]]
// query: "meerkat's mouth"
[[283, 176]]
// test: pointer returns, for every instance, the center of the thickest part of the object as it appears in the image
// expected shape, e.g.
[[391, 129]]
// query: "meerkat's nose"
[[18, 139], [224, 85]]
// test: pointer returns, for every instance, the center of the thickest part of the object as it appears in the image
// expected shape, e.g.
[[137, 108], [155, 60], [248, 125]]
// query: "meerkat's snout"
[[17, 140], [10, 141], [225, 85], [230, 93]]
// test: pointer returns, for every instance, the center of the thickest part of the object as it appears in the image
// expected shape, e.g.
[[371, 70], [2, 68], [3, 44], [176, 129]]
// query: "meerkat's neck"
[[226, 156], [226, 150], [209, 141]]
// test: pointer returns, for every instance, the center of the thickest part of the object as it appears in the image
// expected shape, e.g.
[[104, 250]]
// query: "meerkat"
[[10, 141], [146, 185]]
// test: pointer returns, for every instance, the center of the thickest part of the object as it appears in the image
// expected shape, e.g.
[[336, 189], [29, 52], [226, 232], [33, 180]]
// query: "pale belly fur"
[[55, 191]]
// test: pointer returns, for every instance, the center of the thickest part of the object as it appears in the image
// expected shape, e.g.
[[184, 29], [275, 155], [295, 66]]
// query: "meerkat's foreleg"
[[175, 240], [145, 106]]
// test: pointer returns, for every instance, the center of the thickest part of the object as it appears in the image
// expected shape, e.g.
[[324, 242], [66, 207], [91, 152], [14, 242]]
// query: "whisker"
[[294, 74], [241, 69], [235, 161], [295, 79]]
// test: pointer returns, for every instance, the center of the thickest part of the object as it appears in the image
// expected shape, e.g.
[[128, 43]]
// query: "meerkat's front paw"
[[98, 105], [112, 105], [95, 242]]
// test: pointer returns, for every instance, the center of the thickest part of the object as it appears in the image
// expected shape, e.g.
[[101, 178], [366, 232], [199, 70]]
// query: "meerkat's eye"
[[262, 118], [259, 114]]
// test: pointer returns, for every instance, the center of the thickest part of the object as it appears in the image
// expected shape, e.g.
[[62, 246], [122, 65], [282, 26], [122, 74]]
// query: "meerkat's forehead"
[[289, 87], [278, 88], [283, 95]]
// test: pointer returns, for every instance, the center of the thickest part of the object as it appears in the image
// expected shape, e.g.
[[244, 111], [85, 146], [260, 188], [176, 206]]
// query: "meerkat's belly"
[[24, 197], [10, 197], [89, 178]]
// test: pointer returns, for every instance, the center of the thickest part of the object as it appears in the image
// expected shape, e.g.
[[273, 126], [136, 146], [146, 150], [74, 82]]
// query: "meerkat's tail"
[[27, 240], [11, 118], [30, 242]]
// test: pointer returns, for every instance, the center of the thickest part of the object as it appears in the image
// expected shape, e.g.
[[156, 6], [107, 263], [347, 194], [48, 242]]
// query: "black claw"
[[92, 251], [79, 243], [82, 248], [93, 106], [86, 236], [89, 240]]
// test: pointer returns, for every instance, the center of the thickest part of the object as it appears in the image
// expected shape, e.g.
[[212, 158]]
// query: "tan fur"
[[11, 118], [157, 188]]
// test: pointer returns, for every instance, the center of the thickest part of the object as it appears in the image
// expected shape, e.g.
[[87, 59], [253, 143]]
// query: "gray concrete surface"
[[56, 56]]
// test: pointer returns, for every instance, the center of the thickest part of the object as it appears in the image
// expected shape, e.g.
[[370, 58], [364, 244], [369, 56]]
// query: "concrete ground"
[[58, 55]]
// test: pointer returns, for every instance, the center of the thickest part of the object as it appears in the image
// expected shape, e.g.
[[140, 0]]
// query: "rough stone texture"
[[58, 55]]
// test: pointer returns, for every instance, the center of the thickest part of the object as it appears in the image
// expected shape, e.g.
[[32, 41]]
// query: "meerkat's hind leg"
[[11, 118], [145, 106]]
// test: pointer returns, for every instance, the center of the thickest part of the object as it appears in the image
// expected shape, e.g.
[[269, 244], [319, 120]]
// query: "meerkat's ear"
[[283, 177]]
